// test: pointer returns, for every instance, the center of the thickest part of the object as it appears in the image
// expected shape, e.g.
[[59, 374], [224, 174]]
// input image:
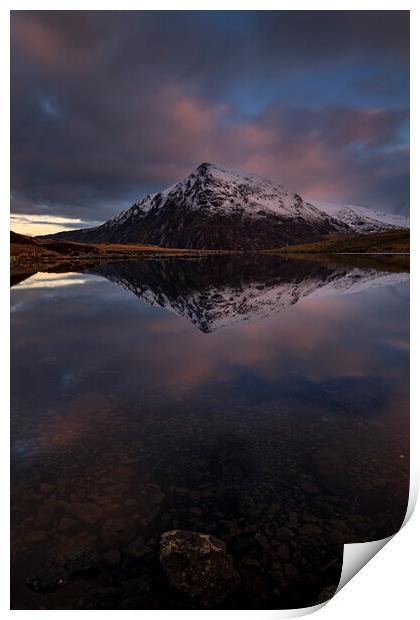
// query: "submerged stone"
[[310, 529], [112, 557], [198, 566], [85, 512], [292, 573], [46, 512], [330, 470], [117, 533], [65, 524], [326, 594], [80, 563]]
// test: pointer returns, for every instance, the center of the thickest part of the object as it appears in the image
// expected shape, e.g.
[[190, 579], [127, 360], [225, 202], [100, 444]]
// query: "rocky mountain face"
[[216, 209], [220, 291]]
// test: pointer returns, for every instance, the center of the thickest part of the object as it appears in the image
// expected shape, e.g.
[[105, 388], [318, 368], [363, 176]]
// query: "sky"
[[107, 106]]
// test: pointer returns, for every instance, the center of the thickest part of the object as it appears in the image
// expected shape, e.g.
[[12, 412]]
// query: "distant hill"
[[22, 239]]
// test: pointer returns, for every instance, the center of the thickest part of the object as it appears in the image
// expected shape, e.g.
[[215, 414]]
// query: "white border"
[[388, 586]]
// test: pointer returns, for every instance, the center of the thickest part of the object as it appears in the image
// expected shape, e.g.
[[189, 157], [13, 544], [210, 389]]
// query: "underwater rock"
[[65, 524], [117, 533], [326, 594], [46, 512], [79, 563], [311, 530], [284, 534], [331, 470], [112, 558], [291, 572], [138, 550], [85, 512], [198, 566], [36, 536], [283, 551]]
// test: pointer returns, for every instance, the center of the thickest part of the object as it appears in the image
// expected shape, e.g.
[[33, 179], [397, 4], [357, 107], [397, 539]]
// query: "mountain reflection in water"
[[284, 434], [219, 291]]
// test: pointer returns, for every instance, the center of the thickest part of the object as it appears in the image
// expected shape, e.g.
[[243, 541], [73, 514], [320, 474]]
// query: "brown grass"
[[27, 252], [388, 242]]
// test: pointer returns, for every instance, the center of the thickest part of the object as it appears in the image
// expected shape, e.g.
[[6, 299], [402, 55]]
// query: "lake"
[[262, 400]]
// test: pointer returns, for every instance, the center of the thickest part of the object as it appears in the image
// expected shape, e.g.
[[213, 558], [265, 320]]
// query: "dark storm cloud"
[[316, 36], [107, 106]]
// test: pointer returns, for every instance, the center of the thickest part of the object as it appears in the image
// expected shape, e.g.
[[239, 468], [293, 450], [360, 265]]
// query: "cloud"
[[109, 106], [39, 224]]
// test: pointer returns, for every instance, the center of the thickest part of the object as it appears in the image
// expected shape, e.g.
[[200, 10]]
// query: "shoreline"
[[31, 254]]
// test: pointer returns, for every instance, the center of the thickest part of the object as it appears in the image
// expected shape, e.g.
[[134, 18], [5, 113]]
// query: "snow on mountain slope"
[[232, 190], [216, 209], [362, 219]]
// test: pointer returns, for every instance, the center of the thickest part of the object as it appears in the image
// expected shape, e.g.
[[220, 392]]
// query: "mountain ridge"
[[214, 208], [362, 219]]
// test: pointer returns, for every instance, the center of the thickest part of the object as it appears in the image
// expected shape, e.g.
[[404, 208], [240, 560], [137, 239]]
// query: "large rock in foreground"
[[197, 565]]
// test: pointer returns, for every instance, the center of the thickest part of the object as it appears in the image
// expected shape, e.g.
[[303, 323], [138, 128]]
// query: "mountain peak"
[[215, 208], [230, 175], [205, 166], [206, 169]]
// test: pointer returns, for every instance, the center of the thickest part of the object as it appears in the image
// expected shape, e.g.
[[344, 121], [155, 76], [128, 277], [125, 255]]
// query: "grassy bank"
[[388, 242], [30, 254]]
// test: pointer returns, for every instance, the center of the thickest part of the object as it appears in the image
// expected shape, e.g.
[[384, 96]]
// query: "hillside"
[[29, 251], [390, 241]]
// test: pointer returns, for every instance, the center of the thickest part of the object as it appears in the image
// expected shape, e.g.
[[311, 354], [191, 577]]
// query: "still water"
[[262, 402]]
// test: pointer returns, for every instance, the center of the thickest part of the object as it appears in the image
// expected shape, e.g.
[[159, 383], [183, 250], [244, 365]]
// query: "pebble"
[[291, 572], [112, 557], [46, 488], [65, 524], [46, 512], [118, 532], [283, 551], [85, 512], [36, 536], [310, 529], [130, 503], [284, 533]]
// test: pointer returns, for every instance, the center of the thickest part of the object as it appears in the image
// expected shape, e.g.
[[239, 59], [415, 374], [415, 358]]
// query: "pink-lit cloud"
[[109, 106]]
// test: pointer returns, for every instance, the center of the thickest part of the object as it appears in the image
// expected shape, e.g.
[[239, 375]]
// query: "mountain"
[[220, 291], [216, 209], [361, 219]]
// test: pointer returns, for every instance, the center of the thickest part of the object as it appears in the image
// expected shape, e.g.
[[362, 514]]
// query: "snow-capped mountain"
[[219, 209], [361, 219], [220, 291]]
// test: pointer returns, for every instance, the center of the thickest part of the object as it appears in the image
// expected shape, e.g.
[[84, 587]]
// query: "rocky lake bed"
[[159, 462], [93, 537]]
